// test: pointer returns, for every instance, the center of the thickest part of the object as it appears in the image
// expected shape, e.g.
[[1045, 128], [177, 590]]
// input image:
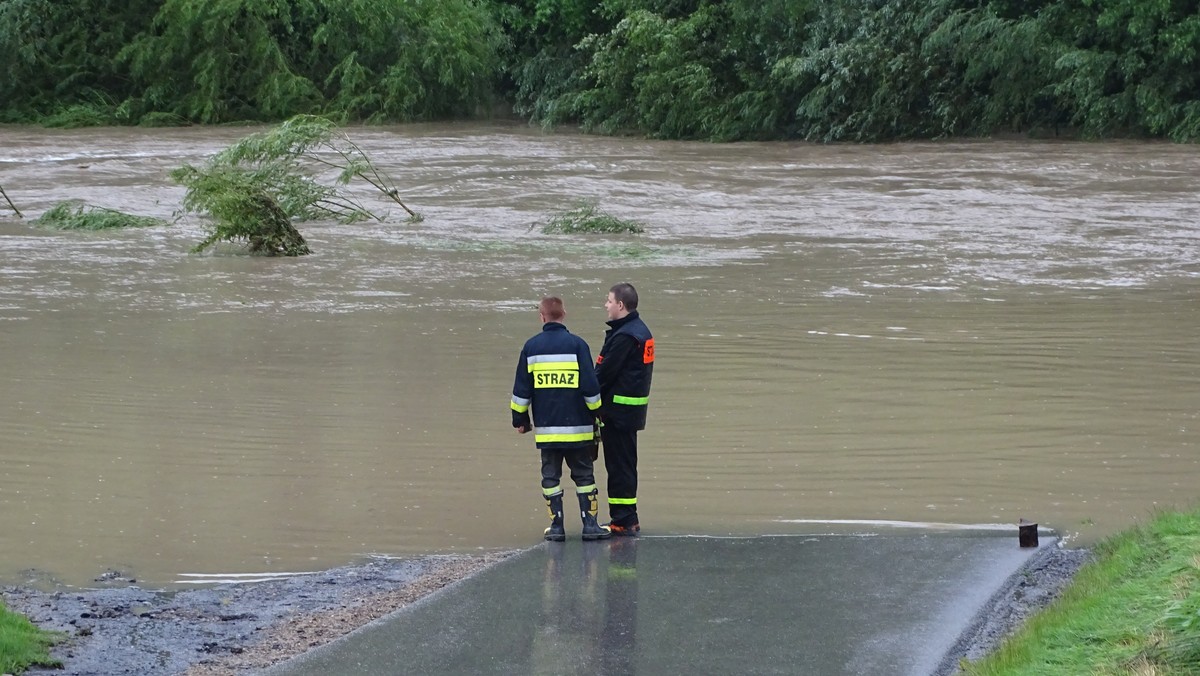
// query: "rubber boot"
[[588, 508], [554, 504]]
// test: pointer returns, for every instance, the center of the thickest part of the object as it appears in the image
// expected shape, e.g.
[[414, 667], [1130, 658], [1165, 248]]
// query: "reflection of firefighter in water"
[[617, 638], [572, 612]]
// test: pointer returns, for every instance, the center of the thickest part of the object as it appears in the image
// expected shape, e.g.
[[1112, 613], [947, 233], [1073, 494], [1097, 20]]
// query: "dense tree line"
[[705, 69]]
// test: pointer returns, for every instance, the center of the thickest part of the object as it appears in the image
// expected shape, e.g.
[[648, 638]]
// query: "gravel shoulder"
[[235, 629], [230, 628], [1029, 590]]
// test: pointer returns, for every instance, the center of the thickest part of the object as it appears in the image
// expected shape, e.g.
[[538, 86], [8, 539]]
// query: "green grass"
[[1134, 610], [586, 217], [76, 216], [22, 644]]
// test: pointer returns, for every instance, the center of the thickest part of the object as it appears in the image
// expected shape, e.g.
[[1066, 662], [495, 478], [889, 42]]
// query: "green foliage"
[[877, 70], [80, 115], [286, 162], [994, 74], [549, 26], [909, 68], [541, 62], [428, 59], [856, 70], [73, 215], [257, 186], [697, 70], [221, 60], [1131, 66], [380, 60], [58, 54], [243, 212], [162, 120], [22, 644], [586, 217], [649, 74]]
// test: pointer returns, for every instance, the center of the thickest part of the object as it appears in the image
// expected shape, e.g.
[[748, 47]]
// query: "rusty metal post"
[[1027, 533]]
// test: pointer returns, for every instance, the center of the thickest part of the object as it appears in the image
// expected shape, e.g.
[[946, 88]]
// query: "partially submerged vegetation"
[[22, 644], [9, 203], [1134, 610], [254, 189], [244, 213], [586, 217], [72, 215]]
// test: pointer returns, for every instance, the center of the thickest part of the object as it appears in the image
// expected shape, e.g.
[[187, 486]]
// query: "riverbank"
[[235, 629], [1135, 610]]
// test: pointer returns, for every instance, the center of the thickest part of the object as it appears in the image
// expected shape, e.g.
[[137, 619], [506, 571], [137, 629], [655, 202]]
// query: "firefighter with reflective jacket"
[[556, 380], [624, 368]]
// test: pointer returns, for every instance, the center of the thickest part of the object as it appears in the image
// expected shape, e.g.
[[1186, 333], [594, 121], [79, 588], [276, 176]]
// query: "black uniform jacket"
[[625, 368], [556, 379]]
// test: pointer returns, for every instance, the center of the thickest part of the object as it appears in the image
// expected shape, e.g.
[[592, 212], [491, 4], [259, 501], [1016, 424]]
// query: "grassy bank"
[[1134, 610], [22, 644]]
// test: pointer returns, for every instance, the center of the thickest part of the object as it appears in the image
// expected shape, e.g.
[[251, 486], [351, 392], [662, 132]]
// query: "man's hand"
[[596, 439], [522, 429]]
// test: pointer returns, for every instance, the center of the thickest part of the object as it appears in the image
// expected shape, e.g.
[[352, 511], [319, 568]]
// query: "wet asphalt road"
[[824, 604]]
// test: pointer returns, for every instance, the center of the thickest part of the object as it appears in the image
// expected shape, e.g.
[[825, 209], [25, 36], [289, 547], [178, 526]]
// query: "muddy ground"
[[236, 629], [230, 628]]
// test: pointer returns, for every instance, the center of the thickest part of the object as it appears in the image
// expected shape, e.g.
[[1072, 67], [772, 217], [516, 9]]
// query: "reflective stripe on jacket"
[[625, 368], [555, 379]]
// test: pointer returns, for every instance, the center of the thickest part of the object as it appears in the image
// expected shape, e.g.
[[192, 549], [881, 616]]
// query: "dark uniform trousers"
[[620, 461], [579, 460]]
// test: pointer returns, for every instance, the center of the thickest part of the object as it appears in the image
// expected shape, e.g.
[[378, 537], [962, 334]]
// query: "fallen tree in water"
[[253, 217], [247, 185]]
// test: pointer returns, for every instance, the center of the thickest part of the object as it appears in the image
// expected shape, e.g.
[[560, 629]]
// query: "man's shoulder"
[[536, 340], [554, 340]]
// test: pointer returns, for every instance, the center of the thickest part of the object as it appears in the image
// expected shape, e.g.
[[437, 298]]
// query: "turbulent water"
[[945, 333]]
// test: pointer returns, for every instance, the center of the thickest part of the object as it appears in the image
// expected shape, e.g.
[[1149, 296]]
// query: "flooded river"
[[947, 333]]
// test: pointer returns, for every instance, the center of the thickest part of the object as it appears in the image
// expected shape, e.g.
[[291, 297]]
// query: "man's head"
[[551, 309], [622, 299]]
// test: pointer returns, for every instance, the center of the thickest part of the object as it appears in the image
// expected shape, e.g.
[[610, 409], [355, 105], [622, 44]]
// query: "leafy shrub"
[[257, 186], [587, 218], [73, 215]]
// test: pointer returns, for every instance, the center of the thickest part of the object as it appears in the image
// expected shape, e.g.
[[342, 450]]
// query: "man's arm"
[[613, 359], [589, 386], [522, 395]]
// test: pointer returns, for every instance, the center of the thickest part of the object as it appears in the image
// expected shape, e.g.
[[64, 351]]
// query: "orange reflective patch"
[[648, 353]]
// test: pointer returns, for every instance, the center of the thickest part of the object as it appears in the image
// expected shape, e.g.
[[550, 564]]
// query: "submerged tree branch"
[[286, 167], [14, 207]]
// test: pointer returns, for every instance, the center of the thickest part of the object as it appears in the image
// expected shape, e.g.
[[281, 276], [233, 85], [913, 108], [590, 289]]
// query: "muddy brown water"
[[946, 333]]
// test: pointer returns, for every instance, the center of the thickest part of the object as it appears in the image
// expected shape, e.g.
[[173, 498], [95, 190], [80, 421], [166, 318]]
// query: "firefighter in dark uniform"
[[624, 368], [556, 379]]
